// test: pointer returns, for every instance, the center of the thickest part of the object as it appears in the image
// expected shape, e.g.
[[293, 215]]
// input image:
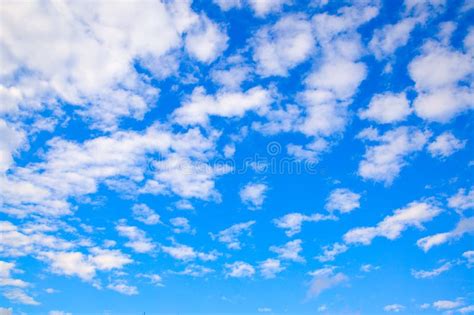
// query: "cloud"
[[230, 236], [342, 200], [324, 279], [206, 40], [54, 75], [464, 226], [368, 268], [59, 313], [197, 107], [463, 200], [239, 269], [428, 274], [330, 253], [123, 288], [284, 45], [447, 304], [469, 256], [6, 311], [143, 213], [137, 238], [394, 308], [387, 108], [11, 140], [84, 266], [264, 7], [391, 227], [289, 251], [438, 73], [187, 253], [253, 194], [445, 145], [386, 40], [384, 161], [292, 222], [269, 268], [194, 270], [181, 225], [6, 270], [19, 296]]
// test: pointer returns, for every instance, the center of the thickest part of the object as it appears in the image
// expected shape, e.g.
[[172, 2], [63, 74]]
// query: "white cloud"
[[289, 251], [123, 288], [54, 75], [281, 47], [231, 79], [230, 236], [264, 7], [384, 161], [181, 225], [437, 73], [6, 270], [137, 238], [6, 311], [143, 213], [330, 252], [445, 145], [462, 200], [197, 108], [428, 274], [387, 108], [368, 268], [187, 253], [391, 227], [226, 5], [464, 226], [270, 267], [394, 308], [239, 269], [194, 270], [292, 222], [84, 266], [342, 200], [324, 279], [19, 296], [447, 304], [59, 313], [264, 310], [253, 195], [469, 256], [11, 140], [154, 278], [386, 40], [206, 41]]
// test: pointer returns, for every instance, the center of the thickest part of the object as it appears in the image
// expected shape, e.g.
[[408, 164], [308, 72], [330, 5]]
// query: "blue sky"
[[236, 156]]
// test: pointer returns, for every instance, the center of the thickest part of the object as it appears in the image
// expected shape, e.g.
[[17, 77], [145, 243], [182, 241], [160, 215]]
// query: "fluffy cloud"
[[445, 145], [197, 108], [206, 41], [292, 222], [324, 279], [143, 213], [123, 288], [230, 236], [10, 141], [387, 39], [54, 75], [438, 73], [391, 227], [283, 46], [187, 253], [261, 8], [181, 225], [342, 200], [427, 274], [253, 194], [447, 304], [462, 200], [270, 268], [330, 252], [239, 269], [384, 161], [194, 270], [84, 266], [138, 241], [394, 308], [289, 251], [6, 270], [464, 226], [387, 108], [20, 297]]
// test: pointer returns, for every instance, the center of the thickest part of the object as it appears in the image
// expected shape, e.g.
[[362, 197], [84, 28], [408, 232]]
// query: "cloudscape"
[[236, 157]]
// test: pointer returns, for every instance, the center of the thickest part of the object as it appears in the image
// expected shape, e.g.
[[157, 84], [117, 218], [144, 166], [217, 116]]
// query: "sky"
[[236, 157]]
